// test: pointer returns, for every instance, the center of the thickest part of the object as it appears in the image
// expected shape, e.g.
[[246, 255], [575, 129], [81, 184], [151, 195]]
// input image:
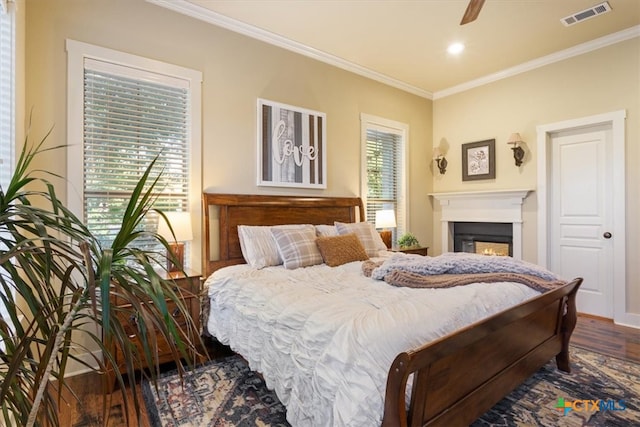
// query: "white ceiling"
[[404, 42]]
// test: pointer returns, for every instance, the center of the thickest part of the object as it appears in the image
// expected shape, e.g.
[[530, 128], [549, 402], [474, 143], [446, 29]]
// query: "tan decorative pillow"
[[338, 250]]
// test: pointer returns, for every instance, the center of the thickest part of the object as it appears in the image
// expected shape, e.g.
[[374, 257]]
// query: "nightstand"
[[188, 288], [419, 250]]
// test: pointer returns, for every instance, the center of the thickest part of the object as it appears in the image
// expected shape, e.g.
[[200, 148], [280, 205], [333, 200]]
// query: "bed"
[[450, 380]]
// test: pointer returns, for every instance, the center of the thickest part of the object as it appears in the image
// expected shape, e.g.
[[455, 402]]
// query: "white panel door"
[[581, 200]]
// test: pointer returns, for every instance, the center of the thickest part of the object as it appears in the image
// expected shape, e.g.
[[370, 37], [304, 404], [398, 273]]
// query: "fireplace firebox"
[[485, 238]]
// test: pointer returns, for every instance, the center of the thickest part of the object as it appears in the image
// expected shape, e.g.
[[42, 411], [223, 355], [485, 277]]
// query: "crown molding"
[[195, 11], [561, 55]]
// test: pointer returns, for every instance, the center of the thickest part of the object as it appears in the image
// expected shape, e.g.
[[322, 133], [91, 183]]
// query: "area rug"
[[600, 391]]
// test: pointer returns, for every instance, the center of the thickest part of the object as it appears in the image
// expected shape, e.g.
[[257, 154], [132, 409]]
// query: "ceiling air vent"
[[592, 12]]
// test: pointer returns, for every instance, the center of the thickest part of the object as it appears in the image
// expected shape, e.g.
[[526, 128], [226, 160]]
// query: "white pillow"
[[297, 246], [258, 246], [324, 230], [367, 234]]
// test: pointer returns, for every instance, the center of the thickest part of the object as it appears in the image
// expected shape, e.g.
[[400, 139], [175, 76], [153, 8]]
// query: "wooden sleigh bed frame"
[[456, 378]]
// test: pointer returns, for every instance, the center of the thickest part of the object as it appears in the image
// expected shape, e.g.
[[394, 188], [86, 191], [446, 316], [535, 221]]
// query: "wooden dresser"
[[186, 285]]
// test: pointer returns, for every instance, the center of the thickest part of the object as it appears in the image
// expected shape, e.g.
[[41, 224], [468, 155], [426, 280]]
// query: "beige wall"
[[236, 71], [601, 81]]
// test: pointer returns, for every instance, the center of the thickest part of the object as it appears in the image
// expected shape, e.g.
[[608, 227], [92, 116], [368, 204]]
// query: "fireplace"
[[501, 209], [485, 238]]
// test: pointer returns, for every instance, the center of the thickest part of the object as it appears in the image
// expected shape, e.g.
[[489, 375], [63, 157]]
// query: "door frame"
[[616, 120]]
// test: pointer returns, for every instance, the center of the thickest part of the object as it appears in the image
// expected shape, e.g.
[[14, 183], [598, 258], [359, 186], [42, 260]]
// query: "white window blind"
[[384, 148], [7, 106], [7, 95], [123, 110], [130, 118]]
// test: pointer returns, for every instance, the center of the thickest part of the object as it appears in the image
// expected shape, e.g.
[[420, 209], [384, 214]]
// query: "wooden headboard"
[[231, 210]]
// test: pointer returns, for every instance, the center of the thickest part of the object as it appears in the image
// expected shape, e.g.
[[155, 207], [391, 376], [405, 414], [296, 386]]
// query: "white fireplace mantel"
[[503, 206]]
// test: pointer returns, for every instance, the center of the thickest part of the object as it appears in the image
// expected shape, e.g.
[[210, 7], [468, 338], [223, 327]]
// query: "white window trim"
[[368, 121], [77, 53]]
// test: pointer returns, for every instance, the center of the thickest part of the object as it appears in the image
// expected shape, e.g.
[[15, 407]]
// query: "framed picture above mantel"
[[291, 146], [479, 160]]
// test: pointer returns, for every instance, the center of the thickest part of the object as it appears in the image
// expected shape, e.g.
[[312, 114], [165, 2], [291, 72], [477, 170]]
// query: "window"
[[7, 105], [7, 93], [128, 111], [384, 169]]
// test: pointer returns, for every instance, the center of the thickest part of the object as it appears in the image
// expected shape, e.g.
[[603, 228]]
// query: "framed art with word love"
[[291, 146]]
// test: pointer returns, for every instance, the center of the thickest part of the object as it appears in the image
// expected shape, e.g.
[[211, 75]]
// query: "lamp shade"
[[181, 223], [437, 152], [385, 218], [515, 139]]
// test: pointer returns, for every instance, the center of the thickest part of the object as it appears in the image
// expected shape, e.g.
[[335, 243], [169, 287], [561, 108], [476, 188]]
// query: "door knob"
[[607, 235]]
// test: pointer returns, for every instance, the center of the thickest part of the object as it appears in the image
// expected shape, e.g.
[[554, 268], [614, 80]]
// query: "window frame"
[[77, 53], [367, 122]]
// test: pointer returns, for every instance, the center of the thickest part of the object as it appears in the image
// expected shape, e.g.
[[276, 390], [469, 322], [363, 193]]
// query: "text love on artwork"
[[287, 148]]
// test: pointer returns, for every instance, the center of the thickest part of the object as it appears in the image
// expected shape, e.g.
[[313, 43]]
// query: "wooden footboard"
[[459, 377]]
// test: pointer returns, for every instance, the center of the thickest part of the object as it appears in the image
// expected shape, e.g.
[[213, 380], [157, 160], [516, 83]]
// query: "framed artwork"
[[479, 160], [291, 146]]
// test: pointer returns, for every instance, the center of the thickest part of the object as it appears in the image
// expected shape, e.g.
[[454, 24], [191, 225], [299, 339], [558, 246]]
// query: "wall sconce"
[[440, 160], [385, 218], [181, 224], [518, 152]]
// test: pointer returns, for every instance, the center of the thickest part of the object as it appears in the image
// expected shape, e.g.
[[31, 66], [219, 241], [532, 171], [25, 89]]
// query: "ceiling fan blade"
[[472, 12]]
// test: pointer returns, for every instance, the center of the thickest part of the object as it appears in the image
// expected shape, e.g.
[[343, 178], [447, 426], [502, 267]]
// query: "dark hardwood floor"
[[599, 335], [603, 336]]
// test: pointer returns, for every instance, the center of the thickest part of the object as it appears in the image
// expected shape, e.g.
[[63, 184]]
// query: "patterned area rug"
[[600, 391], [220, 393]]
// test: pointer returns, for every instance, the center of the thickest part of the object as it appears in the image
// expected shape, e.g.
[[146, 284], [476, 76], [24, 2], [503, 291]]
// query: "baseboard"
[[593, 316], [75, 367], [631, 320]]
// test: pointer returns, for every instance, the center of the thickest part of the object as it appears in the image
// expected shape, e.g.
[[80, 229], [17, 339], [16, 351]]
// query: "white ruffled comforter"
[[324, 338]]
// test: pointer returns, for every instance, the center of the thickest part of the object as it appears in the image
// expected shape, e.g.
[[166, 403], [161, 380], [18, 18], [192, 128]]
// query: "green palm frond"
[[57, 283]]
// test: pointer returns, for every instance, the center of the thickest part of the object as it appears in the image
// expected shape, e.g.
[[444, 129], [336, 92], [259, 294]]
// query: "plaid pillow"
[[365, 232], [326, 230], [297, 247]]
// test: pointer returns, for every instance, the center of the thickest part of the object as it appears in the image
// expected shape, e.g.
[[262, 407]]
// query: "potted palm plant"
[[55, 283]]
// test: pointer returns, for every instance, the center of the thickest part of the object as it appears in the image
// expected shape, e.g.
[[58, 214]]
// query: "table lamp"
[[181, 224], [385, 219]]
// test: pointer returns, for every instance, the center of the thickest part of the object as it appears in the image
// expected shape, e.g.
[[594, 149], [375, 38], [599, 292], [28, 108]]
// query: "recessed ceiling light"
[[455, 48]]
